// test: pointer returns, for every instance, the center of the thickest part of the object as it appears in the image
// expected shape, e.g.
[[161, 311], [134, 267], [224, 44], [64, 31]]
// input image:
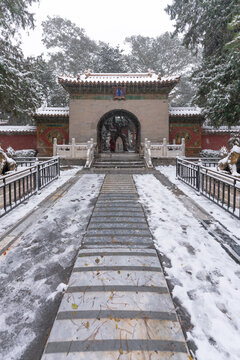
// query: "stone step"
[[118, 165], [117, 305]]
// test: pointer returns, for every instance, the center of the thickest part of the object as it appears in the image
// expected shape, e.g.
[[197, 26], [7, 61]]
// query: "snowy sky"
[[106, 20]]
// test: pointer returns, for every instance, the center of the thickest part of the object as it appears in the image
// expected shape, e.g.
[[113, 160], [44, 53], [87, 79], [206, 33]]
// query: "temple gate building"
[[117, 111], [123, 108]]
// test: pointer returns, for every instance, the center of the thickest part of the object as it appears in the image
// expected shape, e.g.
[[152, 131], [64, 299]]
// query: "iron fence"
[[18, 186], [221, 188]]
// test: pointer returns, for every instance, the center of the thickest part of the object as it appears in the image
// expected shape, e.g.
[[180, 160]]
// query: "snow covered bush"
[[25, 153], [209, 153]]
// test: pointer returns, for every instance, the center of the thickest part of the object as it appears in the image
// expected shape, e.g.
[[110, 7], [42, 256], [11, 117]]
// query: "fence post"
[[176, 167], [38, 175], [58, 166], [73, 148], [54, 146], [183, 146], [4, 195], [198, 179], [164, 147]]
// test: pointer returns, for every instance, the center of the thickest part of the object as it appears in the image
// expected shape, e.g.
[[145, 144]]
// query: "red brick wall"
[[18, 141], [45, 135], [214, 141], [192, 134]]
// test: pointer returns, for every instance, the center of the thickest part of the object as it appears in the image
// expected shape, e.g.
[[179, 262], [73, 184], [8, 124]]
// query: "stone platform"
[[117, 305]]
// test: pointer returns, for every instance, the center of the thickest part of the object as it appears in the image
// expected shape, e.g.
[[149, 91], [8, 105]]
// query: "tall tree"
[[71, 49], [14, 14], [204, 25], [109, 59], [20, 91], [168, 56]]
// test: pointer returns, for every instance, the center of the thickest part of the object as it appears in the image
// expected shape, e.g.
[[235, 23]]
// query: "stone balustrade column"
[[164, 147], [73, 150], [183, 146], [55, 147]]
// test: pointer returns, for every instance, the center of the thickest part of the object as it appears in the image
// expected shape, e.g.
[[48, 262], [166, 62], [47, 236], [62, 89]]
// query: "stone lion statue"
[[231, 162], [6, 163]]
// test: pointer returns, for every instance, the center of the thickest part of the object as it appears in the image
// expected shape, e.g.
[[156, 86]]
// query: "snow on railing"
[[83, 151], [221, 188], [163, 150], [168, 150], [90, 153], [147, 153], [18, 186]]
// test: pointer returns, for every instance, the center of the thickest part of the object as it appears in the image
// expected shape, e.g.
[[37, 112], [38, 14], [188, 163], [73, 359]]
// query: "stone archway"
[[117, 124]]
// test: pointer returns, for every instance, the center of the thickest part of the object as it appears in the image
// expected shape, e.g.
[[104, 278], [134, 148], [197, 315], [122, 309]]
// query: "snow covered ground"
[[229, 221], [34, 272], [19, 212], [206, 280]]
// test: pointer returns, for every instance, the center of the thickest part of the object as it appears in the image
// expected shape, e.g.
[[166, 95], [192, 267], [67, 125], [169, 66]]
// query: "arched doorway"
[[118, 131]]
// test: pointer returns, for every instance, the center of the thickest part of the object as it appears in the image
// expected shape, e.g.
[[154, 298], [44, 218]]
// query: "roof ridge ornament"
[[87, 73], [151, 72]]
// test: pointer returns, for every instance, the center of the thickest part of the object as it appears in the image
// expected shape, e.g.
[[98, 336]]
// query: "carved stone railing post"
[[147, 152], [90, 153], [183, 146], [55, 147], [73, 148], [164, 147]]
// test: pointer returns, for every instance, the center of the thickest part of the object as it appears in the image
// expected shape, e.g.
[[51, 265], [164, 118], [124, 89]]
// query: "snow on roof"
[[184, 111], [17, 129], [88, 77], [52, 111], [221, 129]]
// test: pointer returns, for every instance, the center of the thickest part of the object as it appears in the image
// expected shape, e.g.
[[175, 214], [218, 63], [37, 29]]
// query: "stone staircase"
[[117, 305], [119, 161]]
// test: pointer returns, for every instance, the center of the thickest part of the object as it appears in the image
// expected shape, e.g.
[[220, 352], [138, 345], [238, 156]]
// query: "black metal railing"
[[20, 185], [221, 188], [209, 162], [188, 172]]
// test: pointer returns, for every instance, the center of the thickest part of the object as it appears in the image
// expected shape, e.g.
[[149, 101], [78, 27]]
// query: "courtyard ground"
[[203, 278]]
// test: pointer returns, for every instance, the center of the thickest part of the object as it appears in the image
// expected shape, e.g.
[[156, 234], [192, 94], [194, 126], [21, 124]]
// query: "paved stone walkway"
[[117, 305]]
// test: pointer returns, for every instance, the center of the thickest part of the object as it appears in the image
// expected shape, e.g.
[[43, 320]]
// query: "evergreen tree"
[[53, 93], [168, 56], [20, 92], [205, 26], [72, 50], [14, 14], [109, 59]]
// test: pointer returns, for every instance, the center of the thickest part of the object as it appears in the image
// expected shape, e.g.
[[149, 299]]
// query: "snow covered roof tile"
[[52, 111], [108, 78], [11, 129], [222, 129], [185, 111]]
